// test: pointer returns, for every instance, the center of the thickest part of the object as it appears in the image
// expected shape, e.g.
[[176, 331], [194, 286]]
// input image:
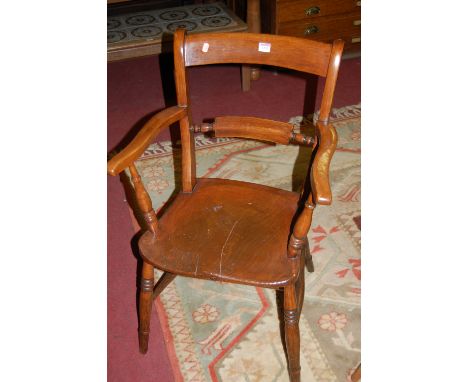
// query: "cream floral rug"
[[231, 333]]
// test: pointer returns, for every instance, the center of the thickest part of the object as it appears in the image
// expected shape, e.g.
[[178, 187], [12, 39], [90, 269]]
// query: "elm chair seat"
[[227, 231]]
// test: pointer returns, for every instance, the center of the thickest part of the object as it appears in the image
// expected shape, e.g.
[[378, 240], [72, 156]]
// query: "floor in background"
[[135, 92]]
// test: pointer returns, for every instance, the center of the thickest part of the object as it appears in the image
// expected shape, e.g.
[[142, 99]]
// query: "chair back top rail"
[[260, 49]]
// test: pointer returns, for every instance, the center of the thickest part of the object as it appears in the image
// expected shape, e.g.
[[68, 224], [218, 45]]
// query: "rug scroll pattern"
[[152, 25], [230, 333]]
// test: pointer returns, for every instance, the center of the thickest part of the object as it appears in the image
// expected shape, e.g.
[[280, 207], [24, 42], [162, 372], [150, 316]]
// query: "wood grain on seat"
[[226, 230]]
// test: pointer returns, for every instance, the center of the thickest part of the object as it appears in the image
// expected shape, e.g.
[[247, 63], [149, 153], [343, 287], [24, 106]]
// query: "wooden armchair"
[[226, 230]]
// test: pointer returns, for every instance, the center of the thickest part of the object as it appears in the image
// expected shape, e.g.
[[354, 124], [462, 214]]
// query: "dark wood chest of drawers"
[[322, 20]]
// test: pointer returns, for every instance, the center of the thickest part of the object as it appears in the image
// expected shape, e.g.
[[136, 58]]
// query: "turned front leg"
[[291, 332]]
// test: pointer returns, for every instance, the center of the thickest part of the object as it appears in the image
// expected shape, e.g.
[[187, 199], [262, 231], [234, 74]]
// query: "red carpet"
[[135, 91]]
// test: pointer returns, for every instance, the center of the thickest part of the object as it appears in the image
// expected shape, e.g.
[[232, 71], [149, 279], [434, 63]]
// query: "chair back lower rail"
[[254, 128]]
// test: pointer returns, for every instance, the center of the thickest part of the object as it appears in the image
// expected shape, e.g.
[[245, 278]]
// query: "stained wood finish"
[[145, 304], [330, 82], [142, 140], [143, 200], [188, 143], [244, 47], [310, 10], [302, 139], [246, 77], [321, 188], [326, 133], [320, 20], [254, 26], [253, 128], [308, 257], [323, 28], [291, 332], [227, 230], [300, 291], [209, 234], [298, 237]]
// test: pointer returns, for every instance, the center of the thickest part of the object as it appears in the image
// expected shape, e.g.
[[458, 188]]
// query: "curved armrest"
[[139, 144], [320, 167]]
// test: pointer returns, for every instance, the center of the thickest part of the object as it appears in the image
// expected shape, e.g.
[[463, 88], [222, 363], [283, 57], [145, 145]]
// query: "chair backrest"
[[309, 56], [280, 51]]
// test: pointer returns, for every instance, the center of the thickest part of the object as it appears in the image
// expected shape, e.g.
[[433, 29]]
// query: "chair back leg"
[[291, 332], [245, 78], [308, 257], [300, 289]]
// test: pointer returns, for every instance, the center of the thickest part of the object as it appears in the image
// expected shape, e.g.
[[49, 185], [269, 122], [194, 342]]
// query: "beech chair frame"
[[252, 49]]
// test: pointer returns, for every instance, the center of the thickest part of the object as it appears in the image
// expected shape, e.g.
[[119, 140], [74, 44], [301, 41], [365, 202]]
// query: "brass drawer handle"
[[355, 40], [311, 30], [356, 22], [312, 11], [358, 3]]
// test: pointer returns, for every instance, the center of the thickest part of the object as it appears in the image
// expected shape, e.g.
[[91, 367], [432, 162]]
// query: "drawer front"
[[344, 26], [311, 9]]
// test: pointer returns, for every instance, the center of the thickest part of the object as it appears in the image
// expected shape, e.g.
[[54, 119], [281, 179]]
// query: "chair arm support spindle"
[[143, 200], [300, 230]]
